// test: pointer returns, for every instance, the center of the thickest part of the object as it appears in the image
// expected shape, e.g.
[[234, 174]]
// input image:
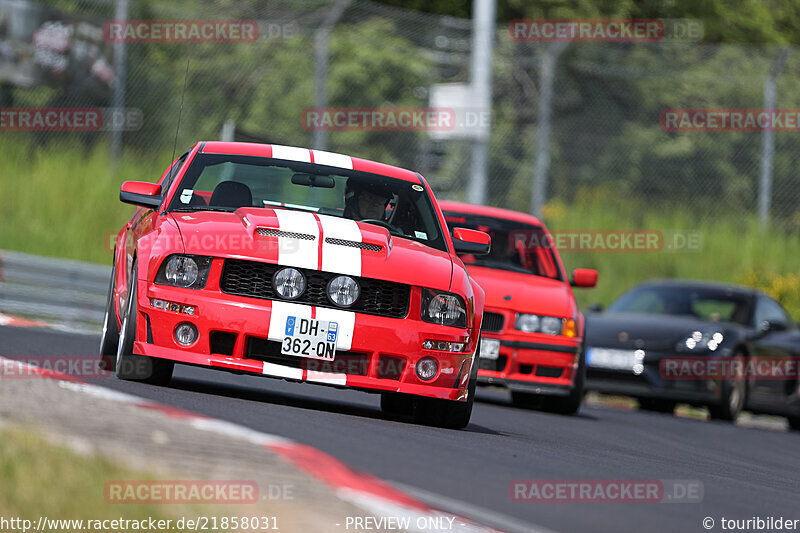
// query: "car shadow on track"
[[301, 402], [580, 415]]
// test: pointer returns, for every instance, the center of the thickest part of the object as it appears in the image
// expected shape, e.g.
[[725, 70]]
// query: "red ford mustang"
[[532, 328], [301, 265]]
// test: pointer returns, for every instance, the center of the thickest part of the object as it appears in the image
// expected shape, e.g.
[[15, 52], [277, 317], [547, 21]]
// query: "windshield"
[[710, 304], [226, 182], [516, 247]]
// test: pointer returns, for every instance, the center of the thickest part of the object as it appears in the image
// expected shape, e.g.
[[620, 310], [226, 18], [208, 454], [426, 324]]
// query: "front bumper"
[[234, 335], [547, 366], [652, 384]]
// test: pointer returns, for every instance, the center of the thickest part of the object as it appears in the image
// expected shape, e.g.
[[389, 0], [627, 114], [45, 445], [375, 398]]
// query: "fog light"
[[185, 334], [289, 283], [427, 368]]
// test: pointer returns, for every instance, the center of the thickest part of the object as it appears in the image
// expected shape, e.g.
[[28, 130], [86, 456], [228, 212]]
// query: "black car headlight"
[[443, 308], [701, 340], [187, 271]]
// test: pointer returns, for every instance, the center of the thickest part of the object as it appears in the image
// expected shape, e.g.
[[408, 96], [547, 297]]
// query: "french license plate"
[[490, 348], [609, 358], [308, 337]]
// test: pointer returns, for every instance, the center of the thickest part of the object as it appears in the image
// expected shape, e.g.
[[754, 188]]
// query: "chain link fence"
[[606, 141]]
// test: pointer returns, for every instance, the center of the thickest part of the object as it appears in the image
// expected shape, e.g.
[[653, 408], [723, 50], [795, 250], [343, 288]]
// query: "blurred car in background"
[[532, 334], [722, 346]]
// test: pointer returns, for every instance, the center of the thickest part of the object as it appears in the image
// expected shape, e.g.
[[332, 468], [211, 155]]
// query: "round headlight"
[[182, 270], [289, 283], [445, 309], [551, 325], [527, 323], [343, 291]]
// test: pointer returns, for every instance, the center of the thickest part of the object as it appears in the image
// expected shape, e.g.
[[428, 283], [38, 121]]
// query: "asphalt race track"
[[745, 472]]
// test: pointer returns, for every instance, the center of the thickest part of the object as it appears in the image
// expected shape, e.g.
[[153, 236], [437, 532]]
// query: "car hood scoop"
[[318, 242]]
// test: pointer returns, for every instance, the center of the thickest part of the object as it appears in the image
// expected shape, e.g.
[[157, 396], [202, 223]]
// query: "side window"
[[172, 173], [768, 309]]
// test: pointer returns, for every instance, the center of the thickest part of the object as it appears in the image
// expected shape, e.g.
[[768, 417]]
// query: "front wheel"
[[447, 413], [132, 367], [110, 337], [570, 404], [733, 396]]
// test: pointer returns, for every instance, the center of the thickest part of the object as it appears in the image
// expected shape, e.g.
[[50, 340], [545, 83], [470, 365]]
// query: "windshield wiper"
[[202, 208]]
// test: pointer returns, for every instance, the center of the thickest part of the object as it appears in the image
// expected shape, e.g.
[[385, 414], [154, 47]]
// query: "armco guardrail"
[[70, 294]]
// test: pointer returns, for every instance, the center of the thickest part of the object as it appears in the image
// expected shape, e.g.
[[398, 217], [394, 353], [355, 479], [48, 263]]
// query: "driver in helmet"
[[365, 202]]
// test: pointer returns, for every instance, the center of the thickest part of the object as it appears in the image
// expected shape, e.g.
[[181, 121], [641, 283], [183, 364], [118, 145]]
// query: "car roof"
[[489, 211], [295, 153], [702, 284]]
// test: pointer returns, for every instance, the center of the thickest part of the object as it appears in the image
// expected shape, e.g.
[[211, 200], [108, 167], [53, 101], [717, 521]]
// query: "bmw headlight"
[[289, 283], [549, 325], [343, 291], [443, 308], [701, 340], [187, 271]]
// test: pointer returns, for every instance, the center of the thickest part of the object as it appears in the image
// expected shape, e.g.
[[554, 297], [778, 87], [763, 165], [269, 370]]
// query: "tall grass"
[[63, 200]]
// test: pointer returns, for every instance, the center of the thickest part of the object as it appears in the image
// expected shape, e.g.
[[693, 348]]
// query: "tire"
[[794, 423], [732, 398], [397, 405], [448, 414], [109, 340], [132, 367], [571, 404], [657, 405]]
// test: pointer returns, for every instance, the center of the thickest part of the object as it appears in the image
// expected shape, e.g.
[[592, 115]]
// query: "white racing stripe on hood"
[[291, 153], [347, 325], [333, 160], [300, 253], [337, 258]]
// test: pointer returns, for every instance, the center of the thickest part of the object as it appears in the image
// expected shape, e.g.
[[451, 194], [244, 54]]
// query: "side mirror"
[[141, 193], [596, 307], [768, 326], [584, 277], [470, 241]]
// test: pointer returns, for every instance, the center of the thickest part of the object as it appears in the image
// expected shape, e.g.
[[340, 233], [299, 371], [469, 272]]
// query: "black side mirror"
[[769, 326], [596, 307]]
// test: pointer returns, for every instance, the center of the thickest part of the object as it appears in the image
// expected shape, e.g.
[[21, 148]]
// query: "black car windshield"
[[705, 303], [516, 246], [218, 182]]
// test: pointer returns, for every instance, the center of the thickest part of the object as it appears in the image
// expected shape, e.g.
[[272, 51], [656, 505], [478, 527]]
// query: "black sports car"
[[722, 346]]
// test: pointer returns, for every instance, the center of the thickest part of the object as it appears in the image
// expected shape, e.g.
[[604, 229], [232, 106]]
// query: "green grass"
[[38, 478], [733, 249], [62, 200]]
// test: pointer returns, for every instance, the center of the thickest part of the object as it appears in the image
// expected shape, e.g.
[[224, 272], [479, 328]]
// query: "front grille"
[[492, 322], [354, 244], [267, 232], [352, 363], [549, 371], [495, 365], [254, 280]]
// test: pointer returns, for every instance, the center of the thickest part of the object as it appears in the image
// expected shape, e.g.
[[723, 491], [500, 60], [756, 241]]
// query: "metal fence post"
[[118, 97], [541, 166], [768, 144]]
